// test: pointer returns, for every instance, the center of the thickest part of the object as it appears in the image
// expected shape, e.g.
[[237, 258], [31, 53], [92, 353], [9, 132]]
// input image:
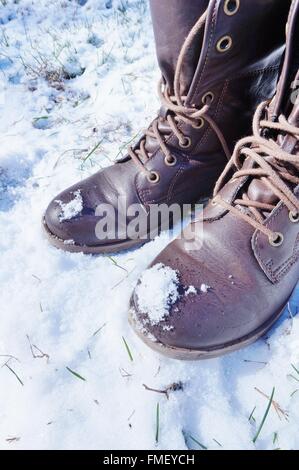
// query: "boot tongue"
[[258, 190], [285, 102]]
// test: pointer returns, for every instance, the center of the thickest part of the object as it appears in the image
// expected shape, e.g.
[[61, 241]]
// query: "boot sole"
[[97, 249], [89, 250], [196, 354]]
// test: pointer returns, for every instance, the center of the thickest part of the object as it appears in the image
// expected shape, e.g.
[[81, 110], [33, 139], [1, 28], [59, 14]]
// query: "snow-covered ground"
[[77, 82]]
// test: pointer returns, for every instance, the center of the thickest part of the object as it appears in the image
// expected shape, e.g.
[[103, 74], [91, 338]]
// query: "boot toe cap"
[[201, 312], [175, 315], [68, 219]]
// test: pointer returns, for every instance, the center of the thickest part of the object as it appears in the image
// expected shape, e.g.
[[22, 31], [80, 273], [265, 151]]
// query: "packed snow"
[[157, 292], [71, 209], [191, 291], [78, 80], [204, 288]]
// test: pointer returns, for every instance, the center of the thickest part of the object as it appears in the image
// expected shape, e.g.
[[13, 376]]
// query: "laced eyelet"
[[224, 44], [186, 143], [200, 124], [153, 177], [277, 239], [231, 7], [294, 217], [172, 161], [208, 98]]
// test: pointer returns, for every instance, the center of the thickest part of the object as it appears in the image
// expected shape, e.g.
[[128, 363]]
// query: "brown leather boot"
[[212, 82], [228, 286]]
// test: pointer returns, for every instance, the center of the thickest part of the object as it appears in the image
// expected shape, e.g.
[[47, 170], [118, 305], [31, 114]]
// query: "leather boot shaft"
[[226, 28], [172, 21]]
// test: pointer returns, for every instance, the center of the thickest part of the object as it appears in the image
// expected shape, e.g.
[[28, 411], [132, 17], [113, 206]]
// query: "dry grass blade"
[[13, 372], [248, 361], [36, 352], [149, 389], [280, 412], [175, 387], [251, 417], [10, 440], [124, 373], [9, 356]]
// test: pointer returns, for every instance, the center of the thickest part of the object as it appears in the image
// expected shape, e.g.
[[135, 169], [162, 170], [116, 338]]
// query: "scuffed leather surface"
[[103, 187]]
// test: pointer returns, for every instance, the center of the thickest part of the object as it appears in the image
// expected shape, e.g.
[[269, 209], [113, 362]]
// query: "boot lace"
[[181, 113], [272, 165]]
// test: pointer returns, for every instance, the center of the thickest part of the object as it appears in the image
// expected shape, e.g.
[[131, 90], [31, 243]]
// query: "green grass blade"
[[116, 264], [217, 442], [264, 418], [157, 423], [76, 374], [198, 443], [128, 350], [84, 160]]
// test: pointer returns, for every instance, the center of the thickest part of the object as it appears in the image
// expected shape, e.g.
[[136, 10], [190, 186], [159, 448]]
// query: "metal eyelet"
[[201, 123], [208, 98], [172, 161], [277, 239], [224, 44], [231, 7], [153, 177], [214, 202], [294, 217], [186, 143]]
